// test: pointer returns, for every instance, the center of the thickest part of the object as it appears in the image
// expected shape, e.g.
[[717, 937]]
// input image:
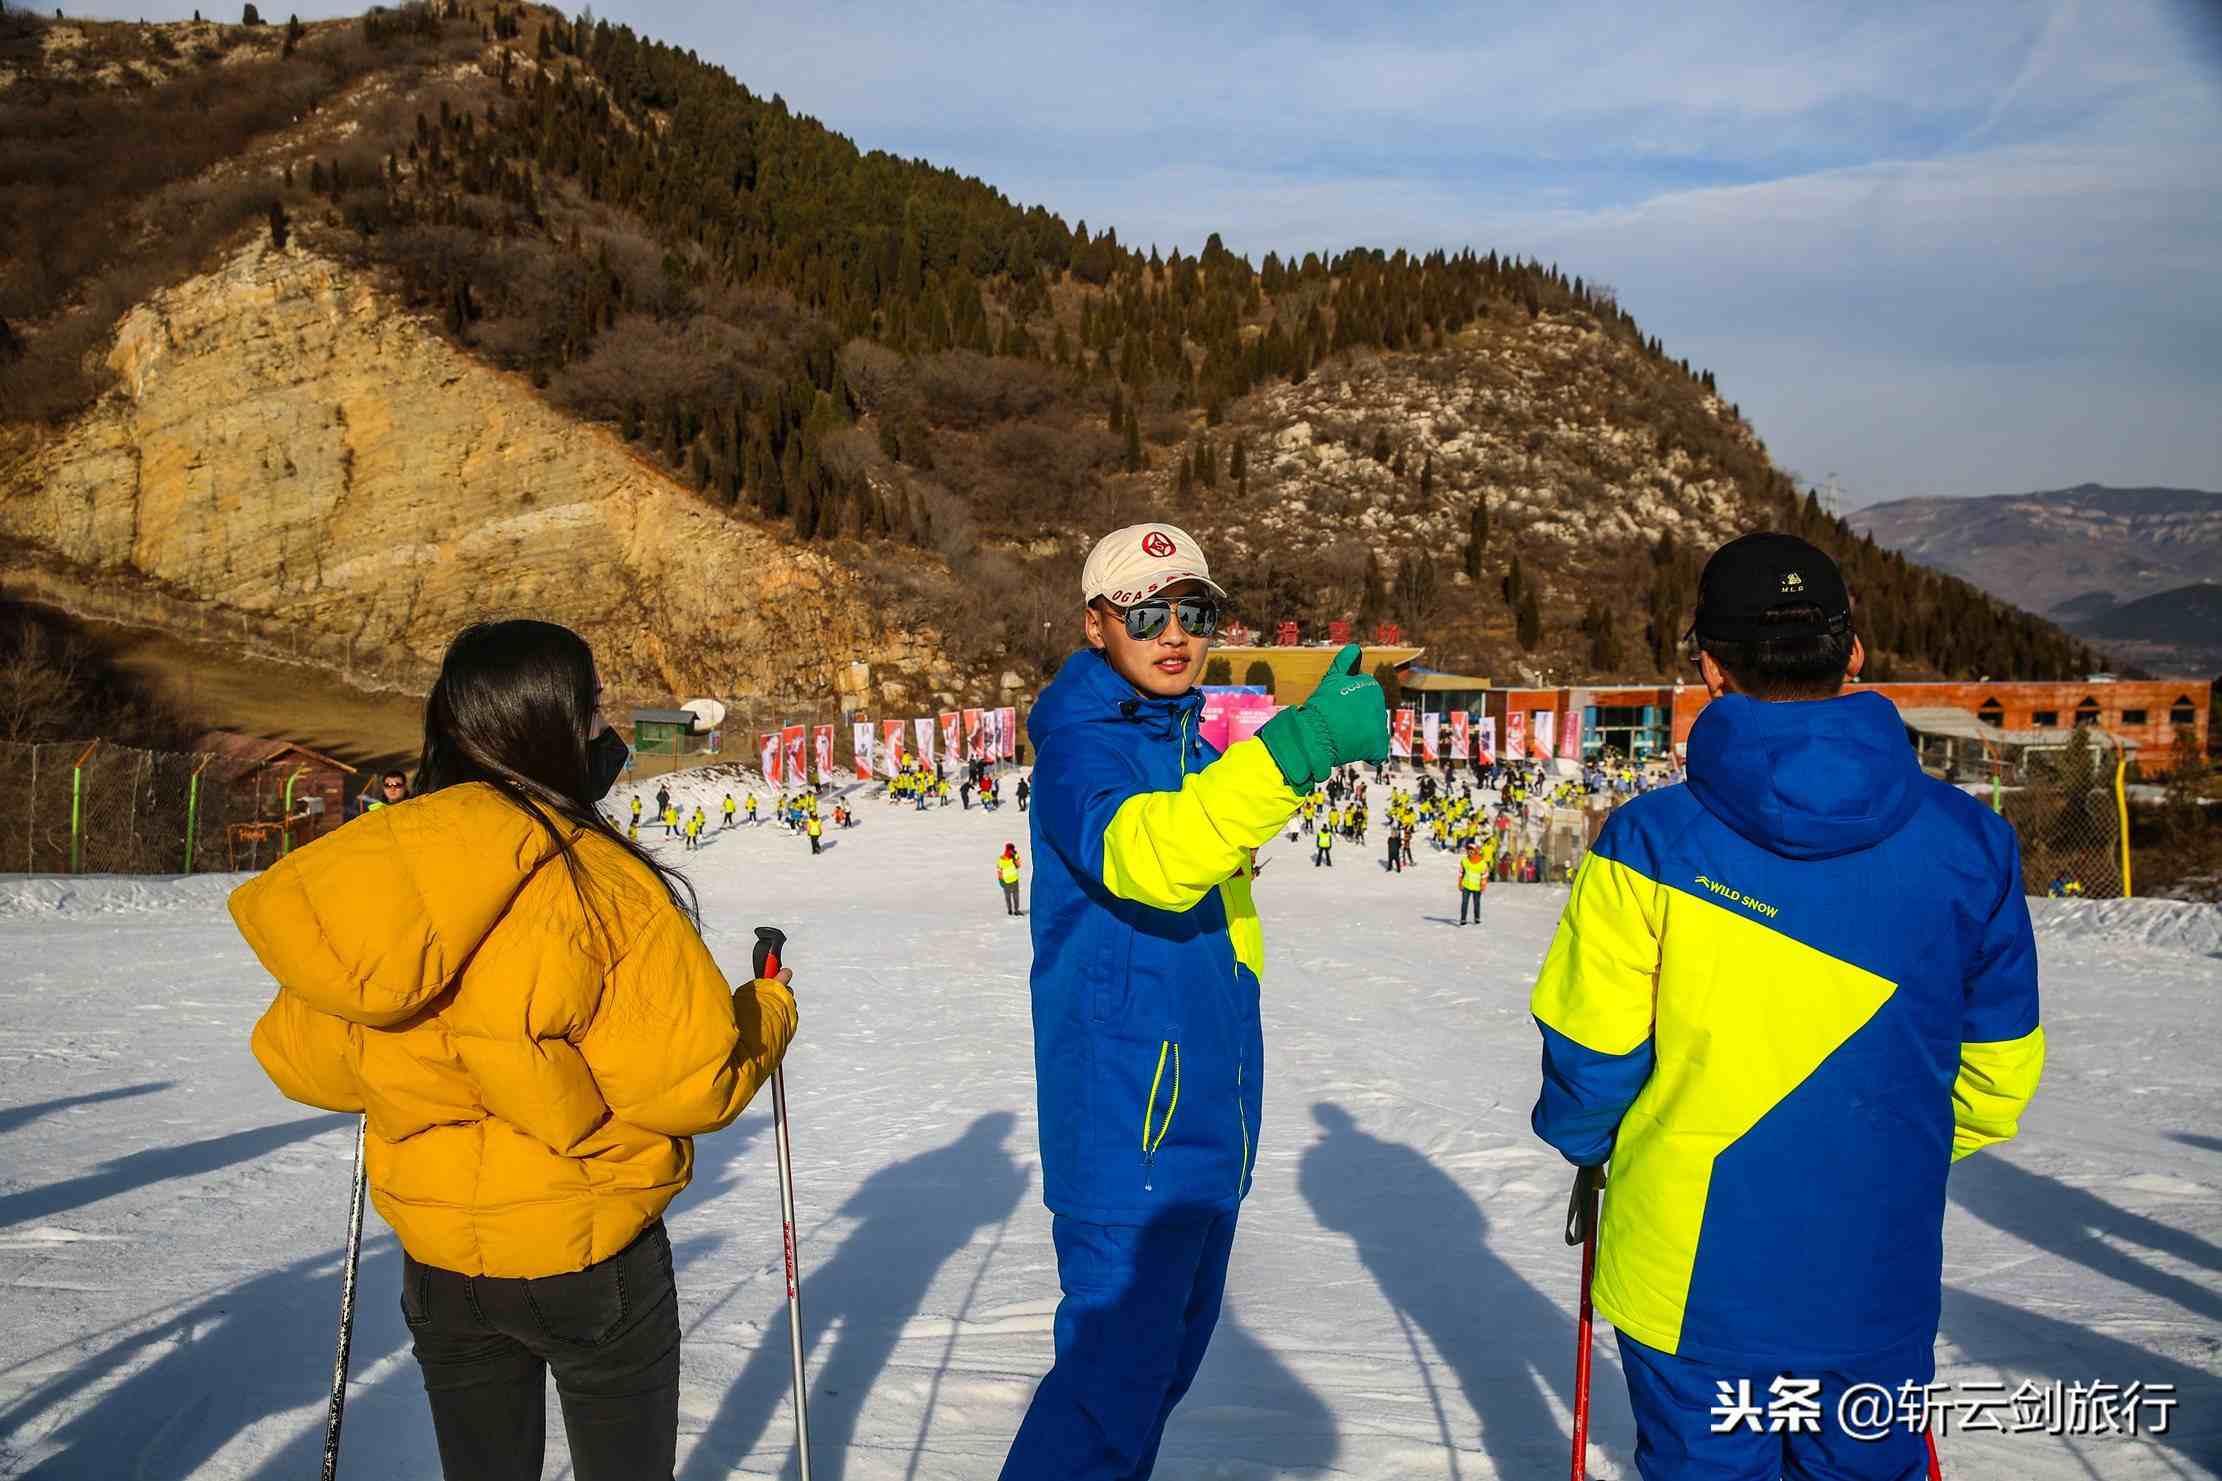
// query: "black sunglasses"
[[1199, 617]]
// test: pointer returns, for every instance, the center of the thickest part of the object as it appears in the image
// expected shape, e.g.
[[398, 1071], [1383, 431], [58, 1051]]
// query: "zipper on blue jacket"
[[1242, 1113], [1149, 1111]]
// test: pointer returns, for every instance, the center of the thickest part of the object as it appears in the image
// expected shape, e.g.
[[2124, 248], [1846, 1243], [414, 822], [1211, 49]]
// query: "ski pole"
[[1581, 1229], [769, 941], [1936, 1471], [346, 1308]]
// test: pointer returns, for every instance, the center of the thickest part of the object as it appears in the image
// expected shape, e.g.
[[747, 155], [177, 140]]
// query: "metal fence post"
[[193, 811], [2121, 807], [285, 814]]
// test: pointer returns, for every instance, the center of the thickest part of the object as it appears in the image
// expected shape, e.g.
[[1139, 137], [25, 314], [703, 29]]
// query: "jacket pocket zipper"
[[1167, 1049], [1242, 1114]]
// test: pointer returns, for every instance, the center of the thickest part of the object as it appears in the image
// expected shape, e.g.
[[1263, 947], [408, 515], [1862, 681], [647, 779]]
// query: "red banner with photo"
[[1570, 737], [891, 747], [1460, 747], [822, 743], [1431, 737], [1010, 732], [1400, 735], [770, 761], [951, 748], [971, 735], [1516, 735], [860, 744], [922, 730], [1485, 739], [795, 741]]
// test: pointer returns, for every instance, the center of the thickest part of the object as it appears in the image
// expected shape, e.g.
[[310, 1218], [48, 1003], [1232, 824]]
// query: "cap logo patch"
[[1157, 544], [1793, 583]]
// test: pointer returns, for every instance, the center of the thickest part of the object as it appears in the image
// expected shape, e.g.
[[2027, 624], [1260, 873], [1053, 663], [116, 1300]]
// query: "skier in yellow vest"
[[636, 814], [753, 820], [1323, 851], [1006, 874], [1473, 878], [729, 809], [813, 826]]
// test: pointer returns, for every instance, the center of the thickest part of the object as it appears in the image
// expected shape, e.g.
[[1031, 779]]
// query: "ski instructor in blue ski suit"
[[1783, 1000], [1147, 954]]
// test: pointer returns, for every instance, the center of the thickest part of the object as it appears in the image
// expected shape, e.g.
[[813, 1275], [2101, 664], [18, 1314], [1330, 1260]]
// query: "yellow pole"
[[2121, 808]]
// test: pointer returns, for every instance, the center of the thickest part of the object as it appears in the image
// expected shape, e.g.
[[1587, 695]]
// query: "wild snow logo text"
[[1726, 892]]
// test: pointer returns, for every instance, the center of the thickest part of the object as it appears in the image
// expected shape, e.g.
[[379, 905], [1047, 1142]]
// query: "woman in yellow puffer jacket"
[[522, 1005]]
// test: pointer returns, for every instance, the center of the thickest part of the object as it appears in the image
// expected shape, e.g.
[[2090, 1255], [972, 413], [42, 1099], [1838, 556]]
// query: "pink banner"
[[891, 747], [860, 743], [1217, 707], [950, 748], [1010, 732], [1249, 714], [770, 763], [1539, 734], [1400, 735], [1460, 746], [795, 741], [971, 735], [1431, 737], [1570, 737], [1516, 735], [822, 743], [923, 728]]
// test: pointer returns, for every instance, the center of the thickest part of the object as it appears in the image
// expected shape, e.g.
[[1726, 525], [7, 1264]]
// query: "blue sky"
[[1955, 249]]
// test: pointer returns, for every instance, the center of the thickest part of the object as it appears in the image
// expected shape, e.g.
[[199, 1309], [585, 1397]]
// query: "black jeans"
[[610, 1332]]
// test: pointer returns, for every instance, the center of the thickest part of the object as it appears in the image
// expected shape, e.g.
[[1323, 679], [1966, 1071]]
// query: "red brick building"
[[2141, 715]]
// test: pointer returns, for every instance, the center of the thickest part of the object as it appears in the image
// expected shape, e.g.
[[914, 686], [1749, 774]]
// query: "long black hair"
[[511, 709]]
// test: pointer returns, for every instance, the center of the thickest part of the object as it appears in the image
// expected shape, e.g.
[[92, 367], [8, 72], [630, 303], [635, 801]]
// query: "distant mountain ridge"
[[2137, 568]]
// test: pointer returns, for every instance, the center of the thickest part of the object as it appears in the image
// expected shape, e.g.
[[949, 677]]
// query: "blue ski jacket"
[[1148, 1058], [1783, 999]]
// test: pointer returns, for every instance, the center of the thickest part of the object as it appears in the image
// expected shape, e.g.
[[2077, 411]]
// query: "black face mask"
[[606, 756]]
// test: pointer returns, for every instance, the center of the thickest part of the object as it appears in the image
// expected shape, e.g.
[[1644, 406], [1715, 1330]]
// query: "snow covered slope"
[[1401, 1301]]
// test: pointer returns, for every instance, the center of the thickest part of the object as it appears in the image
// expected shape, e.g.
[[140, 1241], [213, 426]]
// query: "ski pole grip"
[[770, 941], [1581, 1208]]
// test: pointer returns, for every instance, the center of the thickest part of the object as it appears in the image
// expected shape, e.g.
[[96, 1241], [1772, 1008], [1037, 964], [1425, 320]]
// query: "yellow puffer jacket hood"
[[532, 1075]]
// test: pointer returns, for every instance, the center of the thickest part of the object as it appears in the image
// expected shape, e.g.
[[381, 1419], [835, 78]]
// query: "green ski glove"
[[1345, 720]]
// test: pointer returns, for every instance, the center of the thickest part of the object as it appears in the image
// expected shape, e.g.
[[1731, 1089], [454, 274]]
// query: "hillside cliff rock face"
[[295, 466]]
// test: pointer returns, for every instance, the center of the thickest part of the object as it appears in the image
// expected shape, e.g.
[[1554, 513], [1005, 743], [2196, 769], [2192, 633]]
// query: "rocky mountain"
[[379, 326], [2046, 549]]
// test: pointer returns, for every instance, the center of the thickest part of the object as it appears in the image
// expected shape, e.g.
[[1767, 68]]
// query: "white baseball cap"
[[1137, 562]]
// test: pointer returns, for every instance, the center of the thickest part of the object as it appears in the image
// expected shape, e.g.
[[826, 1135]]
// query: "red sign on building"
[[1338, 631], [1388, 634], [1285, 635]]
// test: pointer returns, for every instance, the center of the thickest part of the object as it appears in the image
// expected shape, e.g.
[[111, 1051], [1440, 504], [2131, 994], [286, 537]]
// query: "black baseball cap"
[[1757, 574]]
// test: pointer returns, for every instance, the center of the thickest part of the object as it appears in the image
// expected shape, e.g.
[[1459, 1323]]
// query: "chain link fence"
[[70, 807], [2068, 807]]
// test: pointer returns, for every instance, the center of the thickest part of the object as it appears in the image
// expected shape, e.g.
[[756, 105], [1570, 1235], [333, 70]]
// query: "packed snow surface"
[[1401, 1303]]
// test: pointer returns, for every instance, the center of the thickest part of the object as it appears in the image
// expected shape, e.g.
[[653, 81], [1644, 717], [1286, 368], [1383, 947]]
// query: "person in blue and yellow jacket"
[[1782, 1001], [1147, 956]]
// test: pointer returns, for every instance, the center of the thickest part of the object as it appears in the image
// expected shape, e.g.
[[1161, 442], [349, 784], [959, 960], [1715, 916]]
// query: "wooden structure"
[[297, 793]]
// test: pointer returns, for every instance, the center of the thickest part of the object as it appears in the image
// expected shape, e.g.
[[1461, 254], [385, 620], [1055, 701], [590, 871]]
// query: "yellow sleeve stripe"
[[1599, 979], [1995, 1082], [1170, 849]]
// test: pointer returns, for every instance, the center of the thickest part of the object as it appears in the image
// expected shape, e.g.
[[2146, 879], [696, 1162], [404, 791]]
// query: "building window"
[[1991, 713], [2133, 717], [2087, 713], [2182, 712], [2045, 719]]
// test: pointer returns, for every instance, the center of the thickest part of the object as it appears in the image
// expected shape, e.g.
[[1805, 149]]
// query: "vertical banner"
[[860, 742], [1213, 728], [1570, 737], [971, 735], [950, 747], [1010, 732], [1431, 737], [796, 740], [1539, 734], [1515, 735], [1485, 739], [1460, 747], [891, 747], [991, 744], [770, 762], [1400, 735], [822, 743], [922, 729]]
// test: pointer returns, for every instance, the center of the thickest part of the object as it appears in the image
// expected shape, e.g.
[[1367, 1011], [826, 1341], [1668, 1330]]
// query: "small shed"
[[664, 732], [302, 794]]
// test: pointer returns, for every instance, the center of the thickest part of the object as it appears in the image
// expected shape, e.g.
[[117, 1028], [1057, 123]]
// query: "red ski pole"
[[1936, 1472], [769, 941], [1581, 1229]]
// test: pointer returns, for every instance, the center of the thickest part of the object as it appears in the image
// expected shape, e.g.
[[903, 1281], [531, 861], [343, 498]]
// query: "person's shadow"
[[1425, 1242], [1247, 1402], [912, 1217], [2080, 1226]]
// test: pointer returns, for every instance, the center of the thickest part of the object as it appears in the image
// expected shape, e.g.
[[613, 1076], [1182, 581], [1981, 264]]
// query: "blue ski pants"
[[1138, 1312], [1679, 1401]]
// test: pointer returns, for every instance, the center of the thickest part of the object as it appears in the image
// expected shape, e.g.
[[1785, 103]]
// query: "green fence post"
[[193, 811], [76, 805]]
